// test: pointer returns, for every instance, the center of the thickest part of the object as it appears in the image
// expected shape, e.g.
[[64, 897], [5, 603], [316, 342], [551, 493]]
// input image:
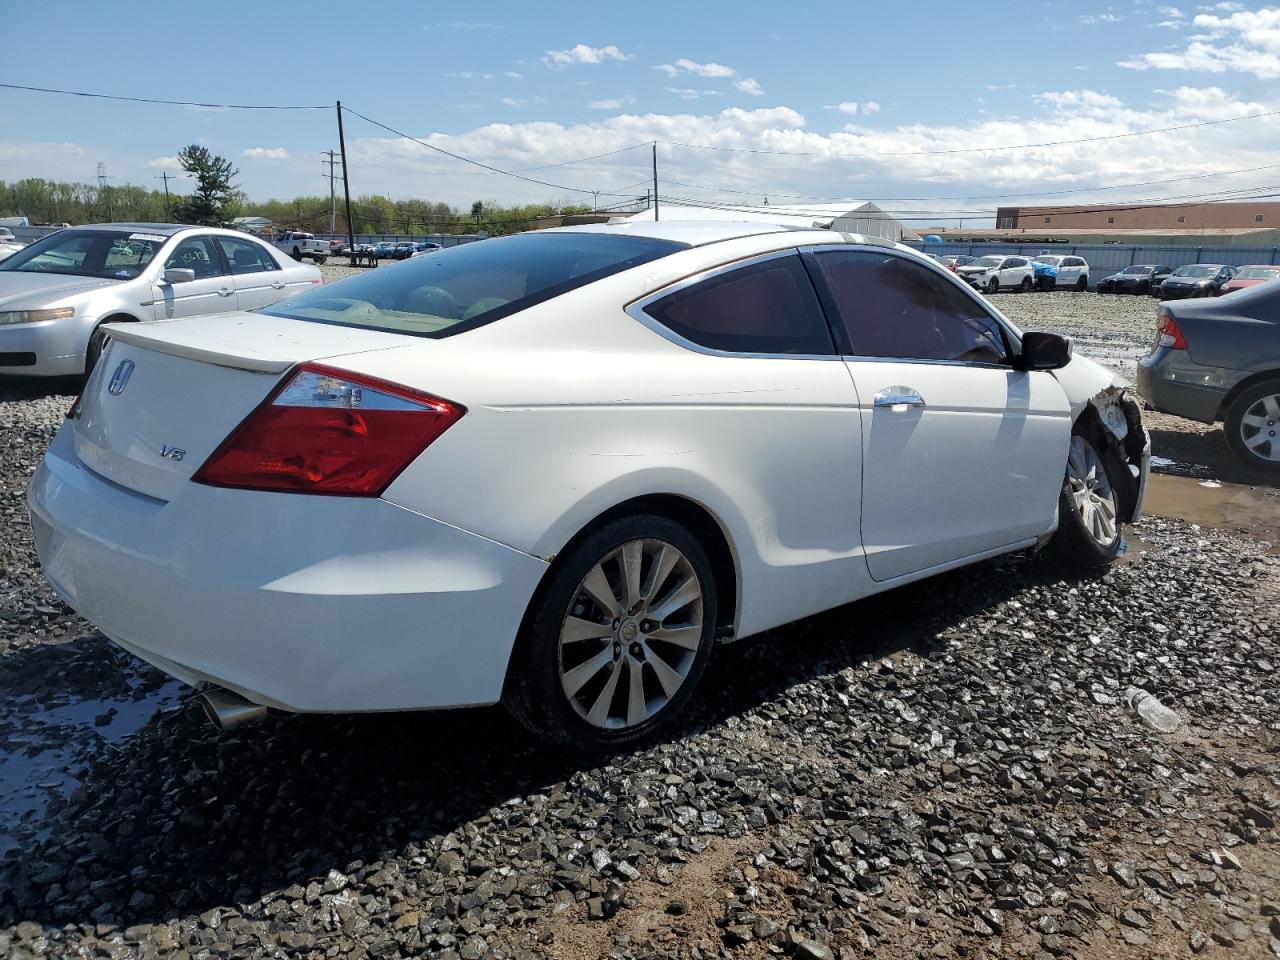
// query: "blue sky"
[[526, 85]]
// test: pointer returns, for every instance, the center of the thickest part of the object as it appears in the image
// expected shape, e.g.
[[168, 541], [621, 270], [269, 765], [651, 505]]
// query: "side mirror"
[[179, 275], [1044, 351]]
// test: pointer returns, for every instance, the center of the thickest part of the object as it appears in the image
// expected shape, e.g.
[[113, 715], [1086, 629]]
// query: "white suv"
[[1054, 272], [994, 271]]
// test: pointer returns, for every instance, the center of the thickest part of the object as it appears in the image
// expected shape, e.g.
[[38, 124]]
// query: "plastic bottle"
[[1151, 711]]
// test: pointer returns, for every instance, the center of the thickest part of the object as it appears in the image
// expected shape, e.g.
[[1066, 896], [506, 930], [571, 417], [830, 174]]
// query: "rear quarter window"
[[768, 307]]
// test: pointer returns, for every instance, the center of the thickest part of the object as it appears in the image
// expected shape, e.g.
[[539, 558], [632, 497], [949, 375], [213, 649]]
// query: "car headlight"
[[34, 316]]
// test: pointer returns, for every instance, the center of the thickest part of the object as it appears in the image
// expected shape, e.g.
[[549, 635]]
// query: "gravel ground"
[[945, 770]]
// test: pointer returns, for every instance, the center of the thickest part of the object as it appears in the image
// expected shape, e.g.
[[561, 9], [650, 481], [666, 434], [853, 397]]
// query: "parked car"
[[1053, 272], [1251, 276], [9, 247], [994, 272], [952, 261], [1141, 278], [403, 251], [301, 245], [1220, 362], [337, 247], [1195, 280], [384, 250], [460, 493], [58, 292], [426, 246], [6, 236]]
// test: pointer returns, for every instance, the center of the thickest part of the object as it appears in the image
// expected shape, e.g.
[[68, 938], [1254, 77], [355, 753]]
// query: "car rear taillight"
[[329, 431], [1169, 333]]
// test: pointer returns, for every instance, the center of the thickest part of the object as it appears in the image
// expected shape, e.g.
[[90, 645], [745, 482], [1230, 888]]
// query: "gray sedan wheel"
[[1090, 525], [1252, 426], [1091, 491]]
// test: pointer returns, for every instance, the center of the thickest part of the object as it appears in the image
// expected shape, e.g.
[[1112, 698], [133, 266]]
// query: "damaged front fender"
[[1102, 396]]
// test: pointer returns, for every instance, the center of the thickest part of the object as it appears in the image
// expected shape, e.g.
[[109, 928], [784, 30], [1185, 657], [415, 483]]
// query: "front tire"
[[993, 285], [1090, 530], [1252, 426], [617, 638], [297, 254], [1082, 284]]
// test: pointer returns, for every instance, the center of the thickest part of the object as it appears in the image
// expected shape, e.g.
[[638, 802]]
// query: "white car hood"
[[20, 290]]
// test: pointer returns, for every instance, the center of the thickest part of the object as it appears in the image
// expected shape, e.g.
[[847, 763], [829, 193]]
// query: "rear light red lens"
[[329, 431], [1170, 333]]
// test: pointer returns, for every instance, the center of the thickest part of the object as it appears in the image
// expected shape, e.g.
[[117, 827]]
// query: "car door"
[[212, 290], [259, 279], [1068, 272], [1012, 271], [963, 454]]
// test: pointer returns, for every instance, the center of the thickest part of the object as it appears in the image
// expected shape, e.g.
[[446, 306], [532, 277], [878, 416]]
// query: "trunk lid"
[[164, 395]]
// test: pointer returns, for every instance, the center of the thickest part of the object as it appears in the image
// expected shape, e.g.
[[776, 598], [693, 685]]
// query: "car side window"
[[892, 308], [245, 256], [765, 307], [1015, 262], [198, 254]]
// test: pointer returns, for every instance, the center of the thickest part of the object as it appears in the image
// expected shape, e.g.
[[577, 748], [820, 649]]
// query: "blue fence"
[[1107, 258], [444, 239]]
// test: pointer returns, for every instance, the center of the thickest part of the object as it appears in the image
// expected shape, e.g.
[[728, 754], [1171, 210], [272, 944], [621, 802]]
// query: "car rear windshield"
[[107, 254], [1138, 270], [1196, 270], [449, 291]]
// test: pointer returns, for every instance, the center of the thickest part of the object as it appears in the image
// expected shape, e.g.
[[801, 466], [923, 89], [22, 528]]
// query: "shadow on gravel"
[[178, 819], [1207, 456], [33, 388]]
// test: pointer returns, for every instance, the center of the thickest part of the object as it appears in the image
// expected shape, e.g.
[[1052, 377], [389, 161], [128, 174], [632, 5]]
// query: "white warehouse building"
[[850, 216]]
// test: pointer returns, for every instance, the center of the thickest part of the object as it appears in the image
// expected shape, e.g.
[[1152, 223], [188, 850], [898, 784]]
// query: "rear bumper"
[[305, 603], [56, 346], [1171, 383]]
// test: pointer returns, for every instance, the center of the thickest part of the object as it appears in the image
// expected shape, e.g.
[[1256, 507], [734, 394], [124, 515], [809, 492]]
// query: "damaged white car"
[[554, 470]]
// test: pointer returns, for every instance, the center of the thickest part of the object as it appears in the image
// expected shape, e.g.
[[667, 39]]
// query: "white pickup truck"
[[300, 245]]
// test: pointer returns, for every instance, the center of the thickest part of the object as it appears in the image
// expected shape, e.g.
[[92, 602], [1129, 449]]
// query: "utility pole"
[[346, 188], [333, 202], [167, 205], [655, 181], [104, 191]]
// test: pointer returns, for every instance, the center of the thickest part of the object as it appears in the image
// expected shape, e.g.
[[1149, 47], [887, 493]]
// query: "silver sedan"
[[57, 292]]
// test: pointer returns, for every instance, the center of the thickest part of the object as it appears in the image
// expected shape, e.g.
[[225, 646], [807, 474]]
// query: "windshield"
[[1196, 270], [107, 254], [1258, 273], [987, 262], [1137, 271], [1051, 261], [447, 291]]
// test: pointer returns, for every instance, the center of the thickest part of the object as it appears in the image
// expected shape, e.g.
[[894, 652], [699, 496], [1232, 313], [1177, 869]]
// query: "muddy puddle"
[[1232, 507]]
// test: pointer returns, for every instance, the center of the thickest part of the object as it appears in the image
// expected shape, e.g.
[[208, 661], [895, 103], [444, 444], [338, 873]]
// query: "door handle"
[[898, 398], [277, 285], [225, 292]]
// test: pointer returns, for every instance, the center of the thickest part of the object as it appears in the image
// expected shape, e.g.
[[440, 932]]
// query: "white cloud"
[[581, 53], [711, 71], [1092, 18], [163, 163], [513, 102], [512, 75], [853, 107], [749, 87], [609, 103], [1244, 41], [871, 106], [265, 153], [1173, 12]]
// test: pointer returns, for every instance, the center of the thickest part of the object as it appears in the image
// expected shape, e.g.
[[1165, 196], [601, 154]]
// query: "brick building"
[[1164, 217]]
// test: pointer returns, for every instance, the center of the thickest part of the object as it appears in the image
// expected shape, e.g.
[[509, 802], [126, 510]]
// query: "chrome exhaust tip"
[[227, 710]]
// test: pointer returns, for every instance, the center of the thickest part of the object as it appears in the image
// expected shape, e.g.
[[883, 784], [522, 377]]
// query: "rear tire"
[[1090, 534], [1082, 284], [1252, 426], [604, 661], [1025, 285]]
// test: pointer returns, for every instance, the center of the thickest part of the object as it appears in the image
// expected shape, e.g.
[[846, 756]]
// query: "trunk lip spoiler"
[[131, 334]]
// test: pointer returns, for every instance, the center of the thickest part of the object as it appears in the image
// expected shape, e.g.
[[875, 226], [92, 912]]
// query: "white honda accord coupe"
[[555, 470]]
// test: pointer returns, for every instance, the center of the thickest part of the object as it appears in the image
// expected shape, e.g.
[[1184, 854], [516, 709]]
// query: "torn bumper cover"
[[1121, 418]]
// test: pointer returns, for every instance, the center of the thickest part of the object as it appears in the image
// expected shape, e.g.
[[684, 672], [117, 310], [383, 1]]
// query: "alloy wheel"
[[1091, 491], [631, 634], [1260, 428]]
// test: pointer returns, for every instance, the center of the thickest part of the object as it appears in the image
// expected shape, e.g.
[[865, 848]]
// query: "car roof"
[[168, 229], [696, 233]]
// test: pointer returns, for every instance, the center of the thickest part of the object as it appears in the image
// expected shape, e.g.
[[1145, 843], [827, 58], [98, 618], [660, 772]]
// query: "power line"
[[954, 150], [173, 103], [476, 163]]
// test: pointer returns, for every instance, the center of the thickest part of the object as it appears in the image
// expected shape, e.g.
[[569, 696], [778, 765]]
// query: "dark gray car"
[[1219, 360]]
